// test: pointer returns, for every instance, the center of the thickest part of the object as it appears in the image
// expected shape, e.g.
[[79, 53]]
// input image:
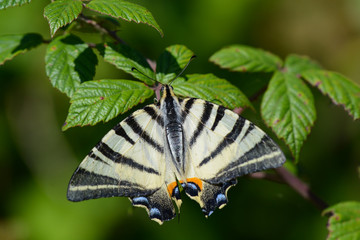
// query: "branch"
[[284, 176], [300, 187], [100, 28], [266, 176]]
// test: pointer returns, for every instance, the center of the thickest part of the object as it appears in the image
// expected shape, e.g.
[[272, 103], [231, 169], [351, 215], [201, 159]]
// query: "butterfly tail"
[[209, 196], [159, 205]]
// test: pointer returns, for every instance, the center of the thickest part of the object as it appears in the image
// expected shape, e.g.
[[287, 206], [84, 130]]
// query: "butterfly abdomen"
[[174, 131], [175, 139]]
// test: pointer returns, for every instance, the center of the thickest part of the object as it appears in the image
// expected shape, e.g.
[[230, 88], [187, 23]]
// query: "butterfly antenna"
[[192, 57], [134, 68]]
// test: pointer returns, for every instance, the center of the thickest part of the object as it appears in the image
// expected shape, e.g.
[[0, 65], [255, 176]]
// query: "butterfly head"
[[167, 91]]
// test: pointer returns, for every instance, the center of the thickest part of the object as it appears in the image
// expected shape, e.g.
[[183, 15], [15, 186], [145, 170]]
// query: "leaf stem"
[[100, 28]]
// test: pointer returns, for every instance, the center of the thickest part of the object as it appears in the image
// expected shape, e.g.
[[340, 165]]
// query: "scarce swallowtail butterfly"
[[190, 142]]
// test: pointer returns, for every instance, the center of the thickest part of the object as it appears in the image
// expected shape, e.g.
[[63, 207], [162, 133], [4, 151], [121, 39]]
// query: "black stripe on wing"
[[119, 158], [203, 120], [135, 126], [88, 185], [82, 177], [263, 155], [96, 158], [228, 139], [119, 130], [188, 105], [150, 110], [219, 115]]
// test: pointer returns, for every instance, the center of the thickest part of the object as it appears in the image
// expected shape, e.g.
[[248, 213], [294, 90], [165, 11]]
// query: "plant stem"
[[266, 176], [284, 176], [301, 188], [101, 28]]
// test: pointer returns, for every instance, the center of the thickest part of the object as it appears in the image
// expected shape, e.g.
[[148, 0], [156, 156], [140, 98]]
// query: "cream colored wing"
[[221, 147], [129, 161]]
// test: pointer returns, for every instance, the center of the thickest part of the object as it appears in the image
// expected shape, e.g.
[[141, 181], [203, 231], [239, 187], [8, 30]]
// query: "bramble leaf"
[[246, 59], [102, 100], [13, 45], [69, 61], [126, 58], [211, 88], [344, 221], [125, 10], [340, 89], [288, 108], [12, 3], [298, 64], [171, 62], [62, 12]]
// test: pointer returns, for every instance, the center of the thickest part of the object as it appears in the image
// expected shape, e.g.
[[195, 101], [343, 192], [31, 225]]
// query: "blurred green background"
[[37, 159]]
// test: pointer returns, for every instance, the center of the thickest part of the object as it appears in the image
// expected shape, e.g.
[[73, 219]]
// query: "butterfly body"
[[192, 142], [174, 132]]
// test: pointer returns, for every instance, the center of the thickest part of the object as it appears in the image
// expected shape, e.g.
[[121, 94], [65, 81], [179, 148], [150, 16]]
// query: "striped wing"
[[129, 161], [223, 146]]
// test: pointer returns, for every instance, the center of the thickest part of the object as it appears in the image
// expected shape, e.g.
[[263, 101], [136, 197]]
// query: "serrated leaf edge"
[[53, 31], [132, 20]]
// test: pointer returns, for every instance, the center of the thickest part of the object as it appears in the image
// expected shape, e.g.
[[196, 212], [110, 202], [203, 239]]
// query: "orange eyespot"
[[171, 186], [196, 181]]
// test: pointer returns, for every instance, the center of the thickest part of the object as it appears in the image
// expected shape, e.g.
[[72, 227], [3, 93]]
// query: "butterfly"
[[176, 144]]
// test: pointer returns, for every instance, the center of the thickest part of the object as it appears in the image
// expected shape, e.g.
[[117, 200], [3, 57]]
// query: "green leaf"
[[102, 100], [288, 108], [69, 61], [246, 59], [291, 167], [13, 45], [211, 88], [171, 62], [126, 58], [298, 64], [340, 89], [62, 12], [125, 10], [12, 3], [344, 221]]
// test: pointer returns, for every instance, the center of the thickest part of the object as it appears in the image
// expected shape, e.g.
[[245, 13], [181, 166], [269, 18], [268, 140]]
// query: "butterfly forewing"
[[124, 162]]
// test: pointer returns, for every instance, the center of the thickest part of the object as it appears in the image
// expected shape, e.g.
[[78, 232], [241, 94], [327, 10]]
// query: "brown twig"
[[284, 176], [300, 187], [266, 176], [100, 28], [157, 89]]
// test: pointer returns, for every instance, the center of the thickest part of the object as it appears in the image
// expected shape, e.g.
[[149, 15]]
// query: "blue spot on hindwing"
[[140, 201], [176, 193], [155, 213], [192, 189], [221, 199]]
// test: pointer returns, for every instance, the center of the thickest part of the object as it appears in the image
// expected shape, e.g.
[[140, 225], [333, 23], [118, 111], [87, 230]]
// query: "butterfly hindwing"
[[221, 147], [129, 161]]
